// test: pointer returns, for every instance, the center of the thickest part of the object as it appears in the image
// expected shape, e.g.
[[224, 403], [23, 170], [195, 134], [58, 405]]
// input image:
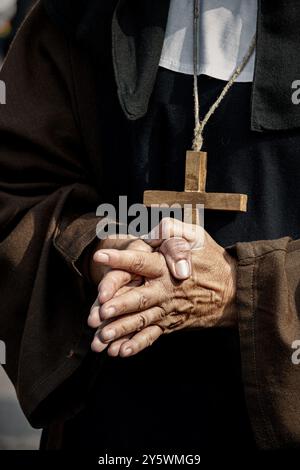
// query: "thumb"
[[176, 240], [177, 252]]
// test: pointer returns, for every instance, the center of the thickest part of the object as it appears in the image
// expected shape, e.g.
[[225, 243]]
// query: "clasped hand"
[[140, 298]]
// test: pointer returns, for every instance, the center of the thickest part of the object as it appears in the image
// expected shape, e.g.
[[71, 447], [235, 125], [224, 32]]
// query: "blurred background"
[[12, 13], [15, 432]]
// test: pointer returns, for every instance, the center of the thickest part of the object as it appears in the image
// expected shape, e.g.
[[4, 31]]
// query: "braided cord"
[[200, 125]]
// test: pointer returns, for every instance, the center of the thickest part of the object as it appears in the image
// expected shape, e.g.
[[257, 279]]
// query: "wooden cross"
[[195, 193]]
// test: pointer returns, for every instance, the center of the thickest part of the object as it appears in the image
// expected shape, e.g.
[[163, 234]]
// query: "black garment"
[[186, 391], [138, 33], [263, 165]]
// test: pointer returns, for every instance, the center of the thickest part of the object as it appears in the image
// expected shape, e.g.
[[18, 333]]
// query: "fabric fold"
[[268, 307]]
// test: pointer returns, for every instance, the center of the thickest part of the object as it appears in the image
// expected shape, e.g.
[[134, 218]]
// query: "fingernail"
[[109, 312], [93, 321], [102, 257], [183, 268], [96, 345], [108, 335], [93, 318], [113, 351]]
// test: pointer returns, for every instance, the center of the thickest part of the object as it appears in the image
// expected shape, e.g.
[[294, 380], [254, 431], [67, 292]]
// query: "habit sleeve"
[[47, 207], [269, 323]]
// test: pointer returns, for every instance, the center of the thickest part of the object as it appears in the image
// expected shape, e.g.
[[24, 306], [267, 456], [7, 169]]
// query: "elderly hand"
[[177, 252], [172, 238], [132, 320]]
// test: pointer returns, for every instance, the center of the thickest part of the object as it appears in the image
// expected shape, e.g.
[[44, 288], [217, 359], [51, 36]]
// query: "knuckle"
[[161, 265], [143, 302], [137, 263], [178, 248], [142, 322], [181, 246], [139, 245], [162, 314]]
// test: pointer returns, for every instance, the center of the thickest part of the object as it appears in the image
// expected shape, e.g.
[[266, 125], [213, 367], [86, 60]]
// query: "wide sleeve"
[[47, 217], [269, 323]]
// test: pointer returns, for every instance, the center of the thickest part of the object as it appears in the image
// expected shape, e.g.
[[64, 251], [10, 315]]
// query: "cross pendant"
[[195, 192]]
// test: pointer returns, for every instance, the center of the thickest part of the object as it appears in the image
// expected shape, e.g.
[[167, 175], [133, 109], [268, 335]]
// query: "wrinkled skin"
[[131, 318]]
